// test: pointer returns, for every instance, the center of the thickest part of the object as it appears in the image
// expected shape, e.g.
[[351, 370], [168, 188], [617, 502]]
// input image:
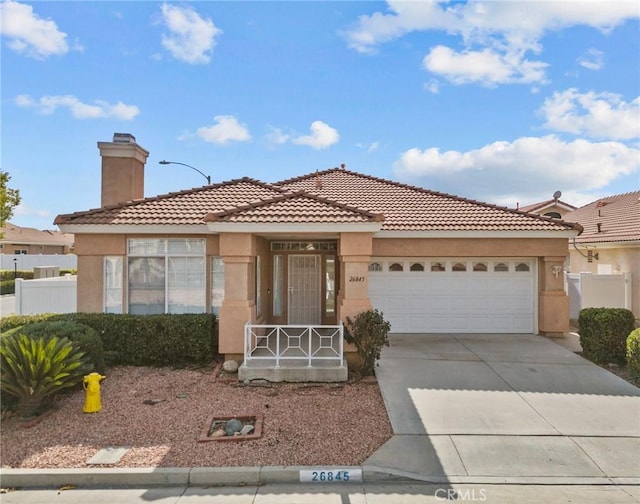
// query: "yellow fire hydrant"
[[91, 384]]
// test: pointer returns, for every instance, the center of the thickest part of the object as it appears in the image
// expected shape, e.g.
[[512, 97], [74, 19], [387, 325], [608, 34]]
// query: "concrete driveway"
[[504, 408]]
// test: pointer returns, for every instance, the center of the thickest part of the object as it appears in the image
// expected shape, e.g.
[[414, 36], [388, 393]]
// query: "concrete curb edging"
[[155, 476], [254, 476]]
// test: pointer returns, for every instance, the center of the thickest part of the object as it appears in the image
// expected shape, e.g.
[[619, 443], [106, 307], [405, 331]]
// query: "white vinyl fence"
[[26, 262], [46, 295], [588, 290]]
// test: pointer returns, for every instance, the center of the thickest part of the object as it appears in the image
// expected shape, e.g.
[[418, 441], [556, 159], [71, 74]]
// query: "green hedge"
[[7, 286], [633, 353], [604, 332], [142, 340], [11, 274]]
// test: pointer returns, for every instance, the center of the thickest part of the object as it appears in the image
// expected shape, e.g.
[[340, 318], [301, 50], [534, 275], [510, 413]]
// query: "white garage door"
[[454, 295]]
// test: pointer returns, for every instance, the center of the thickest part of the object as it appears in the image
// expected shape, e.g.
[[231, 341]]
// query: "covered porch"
[[284, 301]]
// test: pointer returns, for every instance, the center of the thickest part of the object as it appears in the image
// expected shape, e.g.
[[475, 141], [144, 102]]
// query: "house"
[[610, 242], [284, 263], [23, 240], [553, 207]]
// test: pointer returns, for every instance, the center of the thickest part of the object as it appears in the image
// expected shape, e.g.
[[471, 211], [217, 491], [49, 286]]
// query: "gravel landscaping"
[[304, 424]]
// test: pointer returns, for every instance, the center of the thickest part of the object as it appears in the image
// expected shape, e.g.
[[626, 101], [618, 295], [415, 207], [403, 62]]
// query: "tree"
[[9, 198]]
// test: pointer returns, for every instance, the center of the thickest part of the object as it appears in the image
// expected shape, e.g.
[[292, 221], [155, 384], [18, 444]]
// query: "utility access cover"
[[108, 456]]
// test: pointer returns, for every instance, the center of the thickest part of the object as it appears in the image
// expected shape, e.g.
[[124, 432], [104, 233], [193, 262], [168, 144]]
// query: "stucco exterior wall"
[[469, 247], [622, 260], [91, 249], [10, 248], [239, 251]]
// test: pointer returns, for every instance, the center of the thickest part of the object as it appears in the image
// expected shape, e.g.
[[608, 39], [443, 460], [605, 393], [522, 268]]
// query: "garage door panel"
[[460, 301], [395, 304]]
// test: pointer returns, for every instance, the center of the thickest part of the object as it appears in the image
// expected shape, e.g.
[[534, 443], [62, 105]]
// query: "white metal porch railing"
[[293, 344]]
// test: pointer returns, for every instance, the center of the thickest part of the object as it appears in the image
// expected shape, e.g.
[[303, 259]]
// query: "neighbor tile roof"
[[31, 236], [408, 208], [618, 216], [543, 204], [334, 195]]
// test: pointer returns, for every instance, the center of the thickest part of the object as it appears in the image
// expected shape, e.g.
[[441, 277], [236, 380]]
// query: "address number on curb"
[[331, 476]]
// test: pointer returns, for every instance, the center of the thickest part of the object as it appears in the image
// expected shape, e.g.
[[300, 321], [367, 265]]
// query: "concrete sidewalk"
[[504, 408]]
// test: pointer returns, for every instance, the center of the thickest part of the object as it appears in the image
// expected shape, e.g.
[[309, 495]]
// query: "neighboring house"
[[610, 242], [313, 250], [553, 207], [22, 240]]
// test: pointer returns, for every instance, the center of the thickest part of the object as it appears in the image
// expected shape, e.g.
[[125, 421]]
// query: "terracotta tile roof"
[[185, 207], [408, 208], [334, 195], [298, 207], [618, 216]]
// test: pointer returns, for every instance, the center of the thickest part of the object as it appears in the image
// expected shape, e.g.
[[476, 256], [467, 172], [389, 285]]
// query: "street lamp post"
[[15, 268], [163, 162]]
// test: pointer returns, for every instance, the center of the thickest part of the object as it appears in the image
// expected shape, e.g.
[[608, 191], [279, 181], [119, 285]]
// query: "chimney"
[[122, 169]]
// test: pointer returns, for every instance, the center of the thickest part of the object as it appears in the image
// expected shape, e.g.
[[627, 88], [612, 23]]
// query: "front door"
[[305, 289]]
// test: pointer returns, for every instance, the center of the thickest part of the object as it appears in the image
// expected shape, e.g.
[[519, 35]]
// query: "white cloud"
[[29, 34], [598, 115], [498, 34], [486, 66], [368, 147], [522, 170], [25, 211], [98, 110], [277, 136], [226, 129], [592, 60], [191, 38], [322, 136]]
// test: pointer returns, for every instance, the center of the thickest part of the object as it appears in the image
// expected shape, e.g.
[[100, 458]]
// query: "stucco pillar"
[[355, 254], [553, 302], [238, 306]]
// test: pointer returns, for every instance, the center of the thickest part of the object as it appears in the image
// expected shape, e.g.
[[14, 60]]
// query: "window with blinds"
[[166, 275]]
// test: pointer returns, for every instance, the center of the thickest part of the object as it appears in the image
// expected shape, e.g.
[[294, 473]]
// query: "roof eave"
[[566, 233], [293, 227], [609, 244], [187, 229]]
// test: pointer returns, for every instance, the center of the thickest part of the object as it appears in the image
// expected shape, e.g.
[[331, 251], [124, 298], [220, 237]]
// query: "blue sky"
[[500, 101]]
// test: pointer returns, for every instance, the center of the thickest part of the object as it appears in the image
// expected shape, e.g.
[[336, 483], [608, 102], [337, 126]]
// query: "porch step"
[[293, 374]]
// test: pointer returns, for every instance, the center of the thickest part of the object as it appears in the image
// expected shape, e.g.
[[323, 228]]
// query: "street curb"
[[156, 476], [255, 476]]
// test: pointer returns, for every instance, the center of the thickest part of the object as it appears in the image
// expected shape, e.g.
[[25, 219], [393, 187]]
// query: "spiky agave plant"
[[32, 369]]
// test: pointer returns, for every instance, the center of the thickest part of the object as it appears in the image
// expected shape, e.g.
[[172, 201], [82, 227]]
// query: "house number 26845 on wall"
[[356, 279]]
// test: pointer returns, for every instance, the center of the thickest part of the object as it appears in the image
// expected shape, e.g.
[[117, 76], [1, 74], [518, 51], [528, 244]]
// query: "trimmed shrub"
[[84, 336], [143, 340], [8, 286], [603, 334], [11, 274], [32, 369], [153, 340], [369, 332], [12, 321], [633, 353]]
